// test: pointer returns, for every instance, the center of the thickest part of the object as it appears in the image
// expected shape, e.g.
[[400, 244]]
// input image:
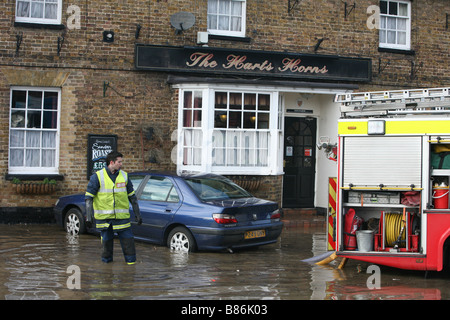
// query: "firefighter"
[[107, 200]]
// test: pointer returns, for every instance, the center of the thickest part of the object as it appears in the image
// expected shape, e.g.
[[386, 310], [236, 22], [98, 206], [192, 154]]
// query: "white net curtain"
[[225, 15], [33, 128], [41, 9]]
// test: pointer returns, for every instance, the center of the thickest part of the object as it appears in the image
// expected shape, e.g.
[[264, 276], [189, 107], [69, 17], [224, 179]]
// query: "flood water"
[[43, 262]]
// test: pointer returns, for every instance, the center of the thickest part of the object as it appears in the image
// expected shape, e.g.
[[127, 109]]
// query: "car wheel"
[[74, 222], [181, 239]]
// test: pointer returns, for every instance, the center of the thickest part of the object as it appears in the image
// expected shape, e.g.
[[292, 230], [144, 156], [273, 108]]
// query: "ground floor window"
[[229, 131], [34, 130]]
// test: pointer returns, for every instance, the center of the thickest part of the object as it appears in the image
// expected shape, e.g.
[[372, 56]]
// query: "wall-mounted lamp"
[[105, 87], [138, 30], [319, 42], [60, 44], [108, 36], [19, 38]]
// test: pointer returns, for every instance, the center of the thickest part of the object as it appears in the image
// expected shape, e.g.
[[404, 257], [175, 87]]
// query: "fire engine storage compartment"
[[385, 220], [440, 173], [382, 186]]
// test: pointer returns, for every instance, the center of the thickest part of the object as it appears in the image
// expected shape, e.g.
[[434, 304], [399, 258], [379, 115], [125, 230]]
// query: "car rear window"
[[214, 189]]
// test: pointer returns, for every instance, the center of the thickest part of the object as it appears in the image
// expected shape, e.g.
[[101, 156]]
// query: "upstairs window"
[[39, 11], [395, 25], [226, 17]]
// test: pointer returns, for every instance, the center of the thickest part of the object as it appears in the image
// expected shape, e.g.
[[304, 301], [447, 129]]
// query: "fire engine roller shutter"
[[374, 160]]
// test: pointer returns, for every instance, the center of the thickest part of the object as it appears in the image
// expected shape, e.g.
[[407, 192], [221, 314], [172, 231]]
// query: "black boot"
[[108, 248], [129, 250]]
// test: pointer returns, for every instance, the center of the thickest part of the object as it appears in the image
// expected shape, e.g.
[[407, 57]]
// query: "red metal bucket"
[[440, 197]]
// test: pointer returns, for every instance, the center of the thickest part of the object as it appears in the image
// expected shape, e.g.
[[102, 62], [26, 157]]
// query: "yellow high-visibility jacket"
[[111, 200]]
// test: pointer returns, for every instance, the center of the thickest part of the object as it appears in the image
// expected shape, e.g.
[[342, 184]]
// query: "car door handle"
[[168, 210]]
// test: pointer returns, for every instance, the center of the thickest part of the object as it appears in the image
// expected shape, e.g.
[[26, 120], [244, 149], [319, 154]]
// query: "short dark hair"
[[112, 156]]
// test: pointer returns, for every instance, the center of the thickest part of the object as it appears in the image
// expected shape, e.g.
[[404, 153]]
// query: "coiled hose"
[[394, 223]]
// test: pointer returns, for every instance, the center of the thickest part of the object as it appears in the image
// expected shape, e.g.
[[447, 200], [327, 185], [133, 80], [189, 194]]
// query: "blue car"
[[188, 213]]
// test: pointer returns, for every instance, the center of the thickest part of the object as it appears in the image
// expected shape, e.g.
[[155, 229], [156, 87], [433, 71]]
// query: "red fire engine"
[[392, 204]]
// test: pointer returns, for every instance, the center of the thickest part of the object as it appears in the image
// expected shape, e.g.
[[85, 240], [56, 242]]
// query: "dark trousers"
[[126, 241]]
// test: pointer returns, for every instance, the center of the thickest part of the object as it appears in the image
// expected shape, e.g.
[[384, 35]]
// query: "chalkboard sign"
[[98, 148]]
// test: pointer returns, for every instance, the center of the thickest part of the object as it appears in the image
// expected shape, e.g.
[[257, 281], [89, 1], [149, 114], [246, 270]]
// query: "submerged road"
[[43, 262]]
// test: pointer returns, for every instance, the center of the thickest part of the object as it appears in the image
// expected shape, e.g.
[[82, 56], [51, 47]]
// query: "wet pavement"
[[43, 262]]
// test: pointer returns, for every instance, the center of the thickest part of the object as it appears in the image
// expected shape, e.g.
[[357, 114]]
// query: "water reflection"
[[387, 293], [34, 260], [178, 259], [331, 283]]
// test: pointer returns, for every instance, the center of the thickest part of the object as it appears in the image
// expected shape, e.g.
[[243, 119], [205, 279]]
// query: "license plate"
[[255, 234]]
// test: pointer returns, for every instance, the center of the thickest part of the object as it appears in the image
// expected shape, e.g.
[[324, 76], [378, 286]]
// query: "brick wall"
[[135, 101]]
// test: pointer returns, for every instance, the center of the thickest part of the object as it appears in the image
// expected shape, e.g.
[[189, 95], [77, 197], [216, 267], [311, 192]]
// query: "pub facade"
[[239, 88]]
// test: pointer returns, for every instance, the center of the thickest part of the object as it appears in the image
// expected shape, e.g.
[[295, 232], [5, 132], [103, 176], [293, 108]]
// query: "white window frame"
[[23, 127], [203, 160], [386, 27], [39, 20], [228, 32]]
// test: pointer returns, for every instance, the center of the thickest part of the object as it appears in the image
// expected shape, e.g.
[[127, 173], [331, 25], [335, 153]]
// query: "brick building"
[[236, 87]]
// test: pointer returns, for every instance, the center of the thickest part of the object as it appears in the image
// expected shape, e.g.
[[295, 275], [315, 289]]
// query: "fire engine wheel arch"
[[445, 250]]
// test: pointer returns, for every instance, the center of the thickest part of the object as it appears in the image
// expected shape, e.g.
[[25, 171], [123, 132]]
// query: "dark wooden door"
[[299, 162]]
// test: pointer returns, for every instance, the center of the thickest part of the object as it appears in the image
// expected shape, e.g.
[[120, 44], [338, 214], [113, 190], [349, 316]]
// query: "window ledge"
[[39, 25], [25, 177], [399, 51], [229, 38]]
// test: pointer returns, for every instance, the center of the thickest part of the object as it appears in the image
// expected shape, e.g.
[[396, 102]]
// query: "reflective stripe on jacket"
[[111, 200], [117, 225]]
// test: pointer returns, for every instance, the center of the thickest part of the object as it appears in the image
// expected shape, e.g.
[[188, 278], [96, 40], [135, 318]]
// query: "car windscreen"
[[208, 189]]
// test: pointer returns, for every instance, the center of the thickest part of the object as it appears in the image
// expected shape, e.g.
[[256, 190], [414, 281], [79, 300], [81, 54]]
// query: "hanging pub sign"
[[98, 148], [226, 61]]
